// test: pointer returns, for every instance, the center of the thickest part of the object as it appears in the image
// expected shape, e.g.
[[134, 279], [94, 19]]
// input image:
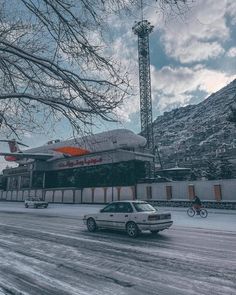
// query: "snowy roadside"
[[210, 210], [218, 219]]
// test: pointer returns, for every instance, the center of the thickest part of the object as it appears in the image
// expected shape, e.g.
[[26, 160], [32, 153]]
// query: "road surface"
[[42, 252]]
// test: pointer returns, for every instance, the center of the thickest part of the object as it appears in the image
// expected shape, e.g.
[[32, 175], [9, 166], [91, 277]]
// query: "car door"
[[121, 215], [105, 217]]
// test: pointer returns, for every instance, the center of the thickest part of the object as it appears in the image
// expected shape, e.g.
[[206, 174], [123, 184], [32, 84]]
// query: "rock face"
[[193, 135]]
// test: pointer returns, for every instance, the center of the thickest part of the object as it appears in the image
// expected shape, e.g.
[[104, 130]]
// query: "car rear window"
[[143, 207]]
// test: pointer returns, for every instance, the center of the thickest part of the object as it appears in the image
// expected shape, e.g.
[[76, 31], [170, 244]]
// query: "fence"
[[176, 192]]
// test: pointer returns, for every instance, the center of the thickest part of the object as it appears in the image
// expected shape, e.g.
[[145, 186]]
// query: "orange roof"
[[72, 151]]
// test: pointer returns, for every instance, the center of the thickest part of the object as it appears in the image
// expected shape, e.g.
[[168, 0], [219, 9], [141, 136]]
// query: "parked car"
[[130, 216], [35, 202]]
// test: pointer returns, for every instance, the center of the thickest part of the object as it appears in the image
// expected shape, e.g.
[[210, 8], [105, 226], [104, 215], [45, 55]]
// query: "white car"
[[130, 216], [35, 202]]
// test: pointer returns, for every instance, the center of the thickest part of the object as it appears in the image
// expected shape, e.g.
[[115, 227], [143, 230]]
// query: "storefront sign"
[[79, 162]]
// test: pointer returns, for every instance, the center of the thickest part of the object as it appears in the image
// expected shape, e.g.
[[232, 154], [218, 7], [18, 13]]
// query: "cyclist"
[[197, 204]]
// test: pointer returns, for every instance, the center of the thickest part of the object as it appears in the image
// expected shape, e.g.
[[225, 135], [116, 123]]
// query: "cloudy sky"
[[192, 55]]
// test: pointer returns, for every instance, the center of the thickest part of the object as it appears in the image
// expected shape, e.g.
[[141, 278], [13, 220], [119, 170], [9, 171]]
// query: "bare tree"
[[53, 65]]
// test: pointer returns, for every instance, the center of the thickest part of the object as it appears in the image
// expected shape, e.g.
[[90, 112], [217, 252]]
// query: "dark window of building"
[[66, 178], [61, 178], [13, 182], [37, 181], [25, 181], [115, 174], [3, 182]]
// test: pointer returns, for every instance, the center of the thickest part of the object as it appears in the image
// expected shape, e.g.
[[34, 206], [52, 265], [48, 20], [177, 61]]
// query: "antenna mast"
[[142, 29]]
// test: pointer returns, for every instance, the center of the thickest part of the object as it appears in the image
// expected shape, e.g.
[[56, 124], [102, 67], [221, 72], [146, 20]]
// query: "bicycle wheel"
[[191, 212], [203, 213]]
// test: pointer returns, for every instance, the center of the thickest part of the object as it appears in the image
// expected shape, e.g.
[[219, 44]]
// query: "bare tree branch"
[[51, 66]]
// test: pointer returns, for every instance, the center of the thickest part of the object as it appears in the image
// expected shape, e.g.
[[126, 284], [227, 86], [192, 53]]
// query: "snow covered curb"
[[210, 211], [217, 219]]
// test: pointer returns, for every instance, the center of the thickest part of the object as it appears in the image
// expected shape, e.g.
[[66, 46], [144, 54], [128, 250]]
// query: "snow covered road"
[[49, 251]]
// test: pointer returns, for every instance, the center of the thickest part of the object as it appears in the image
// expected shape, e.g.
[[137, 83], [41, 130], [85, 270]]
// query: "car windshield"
[[143, 207], [33, 199]]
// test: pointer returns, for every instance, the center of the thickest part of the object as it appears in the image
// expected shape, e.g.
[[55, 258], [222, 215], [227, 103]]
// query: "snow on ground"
[[218, 219], [50, 252]]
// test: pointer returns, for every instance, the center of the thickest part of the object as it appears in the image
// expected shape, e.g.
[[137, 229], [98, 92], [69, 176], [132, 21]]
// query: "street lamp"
[[112, 187], [110, 156], [157, 154]]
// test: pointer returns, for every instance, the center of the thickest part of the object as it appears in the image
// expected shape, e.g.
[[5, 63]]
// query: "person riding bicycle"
[[197, 204]]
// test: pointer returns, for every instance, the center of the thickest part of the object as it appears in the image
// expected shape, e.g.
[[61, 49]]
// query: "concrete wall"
[[107, 194], [215, 190], [51, 195], [209, 190]]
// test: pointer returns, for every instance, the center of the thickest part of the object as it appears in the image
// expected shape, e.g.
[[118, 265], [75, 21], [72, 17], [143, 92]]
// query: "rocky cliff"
[[191, 135]]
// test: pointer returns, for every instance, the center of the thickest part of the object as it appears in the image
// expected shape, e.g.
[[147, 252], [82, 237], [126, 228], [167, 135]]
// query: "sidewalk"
[[84, 208], [210, 211]]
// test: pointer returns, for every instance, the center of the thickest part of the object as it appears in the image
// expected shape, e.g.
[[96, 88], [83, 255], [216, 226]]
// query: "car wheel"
[[132, 229], [26, 206], [154, 232], [35, 206], [91, 225]]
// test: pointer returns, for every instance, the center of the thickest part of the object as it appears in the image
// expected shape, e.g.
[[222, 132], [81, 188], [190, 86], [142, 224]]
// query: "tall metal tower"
[[142, 29]]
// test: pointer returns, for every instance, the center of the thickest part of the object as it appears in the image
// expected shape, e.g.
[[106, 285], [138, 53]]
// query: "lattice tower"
[[142, 29]]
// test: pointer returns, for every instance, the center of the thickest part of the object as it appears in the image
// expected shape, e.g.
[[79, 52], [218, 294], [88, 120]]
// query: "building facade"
[[104, 169]]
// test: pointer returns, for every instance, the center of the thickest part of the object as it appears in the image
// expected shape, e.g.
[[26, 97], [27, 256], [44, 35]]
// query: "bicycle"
[[202, 212]]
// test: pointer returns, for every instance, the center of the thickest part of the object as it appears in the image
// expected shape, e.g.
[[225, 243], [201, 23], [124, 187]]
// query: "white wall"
[[110, 193], [14, 196], [78, 196], [87, 195], [99, 195], [8, 196], [49, 196], [68, 196], [126, 193], [57, 196], [20, 196], [203, 189]]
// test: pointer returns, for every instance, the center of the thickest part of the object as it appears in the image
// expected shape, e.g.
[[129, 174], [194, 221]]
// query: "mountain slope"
[[191, 135]]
